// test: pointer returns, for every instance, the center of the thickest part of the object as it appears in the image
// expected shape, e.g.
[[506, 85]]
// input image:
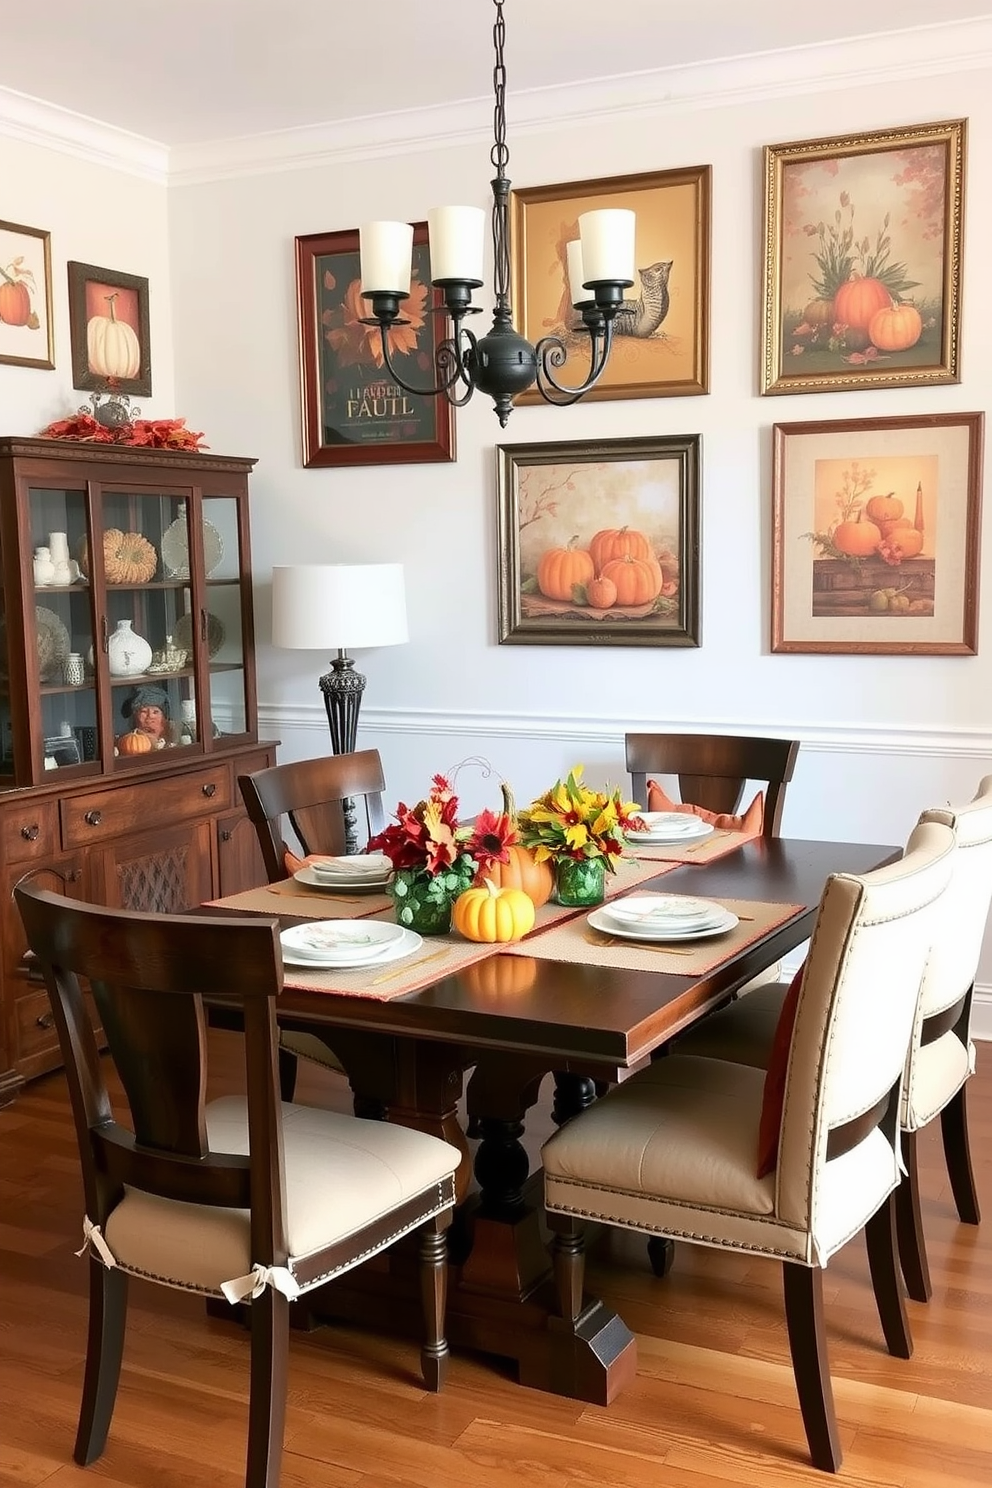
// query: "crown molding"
[[869, 61], [921, 52], [34, 122]]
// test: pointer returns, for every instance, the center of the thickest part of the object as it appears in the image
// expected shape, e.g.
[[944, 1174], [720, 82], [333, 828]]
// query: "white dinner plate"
[[600, 920], [670, 826], [403, 943], [678, 911], [362, 883]]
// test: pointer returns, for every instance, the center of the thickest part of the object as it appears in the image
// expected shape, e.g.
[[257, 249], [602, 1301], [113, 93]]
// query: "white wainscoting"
[[863, 785]]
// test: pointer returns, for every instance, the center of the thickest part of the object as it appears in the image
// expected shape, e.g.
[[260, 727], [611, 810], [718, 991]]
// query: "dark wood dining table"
[[588, 1026]]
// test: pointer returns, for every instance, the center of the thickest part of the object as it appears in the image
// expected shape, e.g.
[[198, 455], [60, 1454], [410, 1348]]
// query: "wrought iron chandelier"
[[502, 363]]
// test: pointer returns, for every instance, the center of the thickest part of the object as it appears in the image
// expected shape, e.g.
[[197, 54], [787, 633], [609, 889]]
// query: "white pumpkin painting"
[[112, 345], [108, 323]]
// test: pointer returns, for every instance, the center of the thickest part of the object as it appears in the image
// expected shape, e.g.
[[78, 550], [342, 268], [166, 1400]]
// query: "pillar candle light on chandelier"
[[502, 363], [336, 606]]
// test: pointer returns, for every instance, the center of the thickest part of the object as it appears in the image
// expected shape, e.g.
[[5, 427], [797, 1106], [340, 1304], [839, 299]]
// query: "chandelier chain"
[[499, 154]]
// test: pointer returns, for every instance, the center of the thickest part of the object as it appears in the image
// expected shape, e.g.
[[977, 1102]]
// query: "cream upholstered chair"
[[674, 1150], [239, 1198], [941, 1056], [313, 798]]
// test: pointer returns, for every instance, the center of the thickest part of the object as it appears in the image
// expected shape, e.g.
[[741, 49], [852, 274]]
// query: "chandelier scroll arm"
[[451, 357]]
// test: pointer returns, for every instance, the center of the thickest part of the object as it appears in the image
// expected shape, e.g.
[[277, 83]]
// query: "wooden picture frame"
[[353, 413], [102, 357], [875, 545], [661, 350], [862, 260], [27, 338], [622, 512]]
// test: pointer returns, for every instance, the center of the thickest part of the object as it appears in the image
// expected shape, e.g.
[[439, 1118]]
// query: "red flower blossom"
[[493, 836]]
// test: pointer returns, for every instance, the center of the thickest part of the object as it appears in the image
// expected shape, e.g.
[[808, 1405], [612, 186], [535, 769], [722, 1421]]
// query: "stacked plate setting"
[[663, 917], [347, 943], [362, 871], [670, 826]]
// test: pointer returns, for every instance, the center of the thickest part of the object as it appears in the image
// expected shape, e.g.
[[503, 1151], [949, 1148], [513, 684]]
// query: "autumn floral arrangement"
[[573, 822], [435, 858], [162, 434]]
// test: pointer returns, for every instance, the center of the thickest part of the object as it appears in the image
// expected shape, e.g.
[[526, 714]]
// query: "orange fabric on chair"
[[773, 1097], [751, 821]]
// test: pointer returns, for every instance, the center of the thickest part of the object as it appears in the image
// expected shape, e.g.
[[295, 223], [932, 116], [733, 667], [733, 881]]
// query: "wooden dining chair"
[[941, 1056], [246, 1199], [713, 769], [715, 1153], [314, 798]]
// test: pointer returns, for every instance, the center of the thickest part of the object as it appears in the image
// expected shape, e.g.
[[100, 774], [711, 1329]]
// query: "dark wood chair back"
[[148, 974], [313, 796], [713, 769]]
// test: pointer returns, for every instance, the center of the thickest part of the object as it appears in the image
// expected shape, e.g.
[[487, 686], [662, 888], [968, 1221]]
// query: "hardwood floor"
[[713, 1403]]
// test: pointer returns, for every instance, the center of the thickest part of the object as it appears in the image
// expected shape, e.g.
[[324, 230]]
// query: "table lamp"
[[333, 606]]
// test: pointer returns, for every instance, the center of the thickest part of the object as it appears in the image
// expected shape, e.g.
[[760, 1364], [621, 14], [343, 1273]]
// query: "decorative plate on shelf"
[[53, 644], [175, 549], [183, 633]]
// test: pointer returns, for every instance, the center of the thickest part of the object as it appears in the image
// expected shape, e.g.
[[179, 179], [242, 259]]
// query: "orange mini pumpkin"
[[560, 569], [896, 328], [134, 743], [857, 539], [601, 593], [637, 580], [884, 508]]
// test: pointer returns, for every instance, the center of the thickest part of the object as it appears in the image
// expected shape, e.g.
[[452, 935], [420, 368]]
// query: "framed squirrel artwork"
[[661, 334]]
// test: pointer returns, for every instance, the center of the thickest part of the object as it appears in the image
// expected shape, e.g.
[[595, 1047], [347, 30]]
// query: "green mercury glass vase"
[[580, 882], [423, 901]]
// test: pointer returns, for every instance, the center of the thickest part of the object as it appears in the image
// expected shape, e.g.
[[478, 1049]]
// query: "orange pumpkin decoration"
[[857, 539], [858, 300], [601, 593], [618, 542], [560, 569], [896, 328], [884, 508], [134, 743], [638, 581], [521, 872], [15, 303], [907, 540]]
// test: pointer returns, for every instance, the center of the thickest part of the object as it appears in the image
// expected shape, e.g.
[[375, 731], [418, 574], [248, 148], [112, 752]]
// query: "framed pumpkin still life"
[[108, 330], [26, 338], [862, 260], [599, 542], [875, 527]]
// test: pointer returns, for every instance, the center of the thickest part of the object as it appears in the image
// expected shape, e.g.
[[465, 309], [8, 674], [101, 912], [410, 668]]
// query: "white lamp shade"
[[457, 235], [577, 291], [386, 254], [338, 606], [608, 245]]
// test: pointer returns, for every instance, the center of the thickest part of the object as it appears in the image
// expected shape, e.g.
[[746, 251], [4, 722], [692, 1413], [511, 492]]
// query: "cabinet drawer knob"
[[225, 836], [93, 818], [209, 790], [47, 1020], [30, 834]]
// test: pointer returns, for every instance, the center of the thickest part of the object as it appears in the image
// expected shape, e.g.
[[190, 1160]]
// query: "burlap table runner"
[[291, 898], [576, 940], [717, 845]]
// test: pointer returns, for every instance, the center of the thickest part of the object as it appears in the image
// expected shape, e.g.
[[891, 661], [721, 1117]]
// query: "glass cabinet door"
[[63, 630], [148, 628], [224, 564]]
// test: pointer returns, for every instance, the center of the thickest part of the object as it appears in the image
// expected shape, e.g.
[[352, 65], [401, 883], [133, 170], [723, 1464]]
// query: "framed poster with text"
[[354, 413]]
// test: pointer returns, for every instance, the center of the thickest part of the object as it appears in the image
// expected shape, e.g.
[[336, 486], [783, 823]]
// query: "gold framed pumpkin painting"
[[108, 330], [599, 542], [862, 260]]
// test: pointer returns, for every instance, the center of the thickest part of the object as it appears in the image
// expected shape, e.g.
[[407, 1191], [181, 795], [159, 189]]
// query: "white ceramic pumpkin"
[[111, 345]]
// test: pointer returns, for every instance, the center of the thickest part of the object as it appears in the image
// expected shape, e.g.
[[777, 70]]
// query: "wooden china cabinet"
[[137, 611]]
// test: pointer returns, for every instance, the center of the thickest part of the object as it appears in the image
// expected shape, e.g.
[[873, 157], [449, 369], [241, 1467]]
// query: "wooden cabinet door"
[[239, 858], [33, 1046], [165, 871]]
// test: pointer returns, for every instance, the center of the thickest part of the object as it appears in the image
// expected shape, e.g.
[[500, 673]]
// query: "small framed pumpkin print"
[[862, 260], [26, 338], [875, 535], [108, 330], [599, 542]]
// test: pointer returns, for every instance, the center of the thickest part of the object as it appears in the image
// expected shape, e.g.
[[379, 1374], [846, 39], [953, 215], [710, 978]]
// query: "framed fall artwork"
[[862, 260], [599, 542], [108, 330], [875, 528], [661, 335], [353, 411], [26, 336]]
